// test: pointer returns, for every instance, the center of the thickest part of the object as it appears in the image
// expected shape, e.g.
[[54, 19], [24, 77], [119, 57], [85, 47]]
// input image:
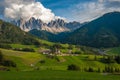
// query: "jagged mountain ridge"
[[55, 26]]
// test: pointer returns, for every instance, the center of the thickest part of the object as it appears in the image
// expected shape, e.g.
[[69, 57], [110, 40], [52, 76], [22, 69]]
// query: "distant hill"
[[48, 35], [58, 36], [42, 34], [12, 34], [102, 32]]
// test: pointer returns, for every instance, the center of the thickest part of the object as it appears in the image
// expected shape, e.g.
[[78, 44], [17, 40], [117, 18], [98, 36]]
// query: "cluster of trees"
[[55, 48], [73, 67], [79, 49], [5, 46], [42, 61], [106, 69], [111, 69], [7, 63], [111, 59], [25, 49]]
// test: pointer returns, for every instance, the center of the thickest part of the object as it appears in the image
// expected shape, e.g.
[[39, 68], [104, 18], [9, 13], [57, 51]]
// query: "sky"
[[63, 8], [47, 10]]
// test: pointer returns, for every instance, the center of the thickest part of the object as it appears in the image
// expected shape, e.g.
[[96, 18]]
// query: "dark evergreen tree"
[[73, 67], [117, 58], [1, 57]]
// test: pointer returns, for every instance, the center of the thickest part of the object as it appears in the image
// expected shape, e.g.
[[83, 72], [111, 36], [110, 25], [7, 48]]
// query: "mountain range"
[[55, 26], [101, 32]]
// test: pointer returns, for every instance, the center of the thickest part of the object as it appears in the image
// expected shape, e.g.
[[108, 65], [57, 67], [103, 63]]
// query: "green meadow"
[[38, 66], [56, 75]]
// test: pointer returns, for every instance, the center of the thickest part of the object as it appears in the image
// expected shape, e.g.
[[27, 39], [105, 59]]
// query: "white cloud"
[[16, 9], [87, 11], [91, 10]]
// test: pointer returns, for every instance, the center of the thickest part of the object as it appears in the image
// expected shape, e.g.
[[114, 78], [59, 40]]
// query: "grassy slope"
[[56, 75], [22, 59], [114, 51], [25, 59], [52, 69]]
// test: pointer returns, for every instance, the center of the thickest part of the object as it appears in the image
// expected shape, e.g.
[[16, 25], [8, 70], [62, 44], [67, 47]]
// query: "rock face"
[[73, 25], [55, 26]]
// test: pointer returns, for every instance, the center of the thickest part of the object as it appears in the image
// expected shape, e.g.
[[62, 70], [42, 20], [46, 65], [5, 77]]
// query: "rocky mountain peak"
[[55, 26]]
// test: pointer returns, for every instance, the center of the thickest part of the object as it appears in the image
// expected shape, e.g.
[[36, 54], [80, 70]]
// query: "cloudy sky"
[[47, 10]]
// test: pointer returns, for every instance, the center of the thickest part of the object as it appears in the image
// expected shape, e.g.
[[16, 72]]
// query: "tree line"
[[6, 62]]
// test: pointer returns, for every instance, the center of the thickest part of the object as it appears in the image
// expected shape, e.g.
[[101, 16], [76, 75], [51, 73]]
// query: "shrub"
[[28, 49], [77, 52], [90, 69], [9, 63], [109, 59], [25, 49], [110, 69], [117, 70], [117, 59], [5, 46], [99, 70], [73, 67], [42, 61], [1, 57]]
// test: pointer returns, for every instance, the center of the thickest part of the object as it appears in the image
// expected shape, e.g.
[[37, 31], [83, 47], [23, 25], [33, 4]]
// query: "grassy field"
[[25, 59], [56, 75], [114, 51], [30, 67]]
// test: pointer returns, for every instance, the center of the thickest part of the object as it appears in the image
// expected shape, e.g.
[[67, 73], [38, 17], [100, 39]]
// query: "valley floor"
[[38, 66], [56, 75]]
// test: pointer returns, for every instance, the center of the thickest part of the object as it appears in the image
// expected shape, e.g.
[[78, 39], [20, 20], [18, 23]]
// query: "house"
[[45, 51]]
